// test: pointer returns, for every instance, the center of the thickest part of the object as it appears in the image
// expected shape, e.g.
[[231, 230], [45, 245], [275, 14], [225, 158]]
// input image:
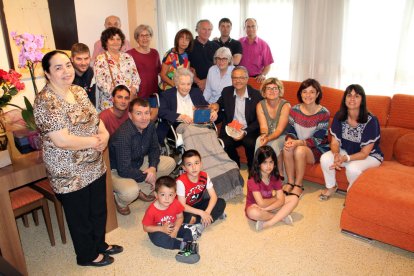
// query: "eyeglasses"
[[145, 35], [274, 88], [239, 78], [222, 59]]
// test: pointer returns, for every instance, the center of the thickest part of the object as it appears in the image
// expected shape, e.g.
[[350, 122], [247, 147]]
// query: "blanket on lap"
[[223, 172]]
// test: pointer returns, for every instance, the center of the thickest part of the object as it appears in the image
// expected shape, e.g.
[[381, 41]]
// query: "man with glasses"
[[257, 56], [238, 102]]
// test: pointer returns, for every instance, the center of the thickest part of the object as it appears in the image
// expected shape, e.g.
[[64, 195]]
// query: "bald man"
[[110, 21], [257, 57]]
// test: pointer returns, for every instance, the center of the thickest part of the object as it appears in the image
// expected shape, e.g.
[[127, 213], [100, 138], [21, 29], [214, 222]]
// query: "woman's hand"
[[338, 160], [264, 139], [186, 119], [213, 116], [290, 145], [102, 141]]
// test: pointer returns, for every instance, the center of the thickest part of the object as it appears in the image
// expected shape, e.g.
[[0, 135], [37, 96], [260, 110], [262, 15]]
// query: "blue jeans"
[[163, 240]]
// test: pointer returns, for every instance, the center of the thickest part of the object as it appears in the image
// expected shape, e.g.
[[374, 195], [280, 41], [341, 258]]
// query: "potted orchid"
[[30, 55], [30, 52]]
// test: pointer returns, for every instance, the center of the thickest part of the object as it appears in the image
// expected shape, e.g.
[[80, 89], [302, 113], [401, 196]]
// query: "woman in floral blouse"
[[175, 58], [73, 141], [113, 68]]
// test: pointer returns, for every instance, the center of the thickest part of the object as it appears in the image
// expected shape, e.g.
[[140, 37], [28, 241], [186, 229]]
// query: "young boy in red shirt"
[[163, 221], [196, 192]]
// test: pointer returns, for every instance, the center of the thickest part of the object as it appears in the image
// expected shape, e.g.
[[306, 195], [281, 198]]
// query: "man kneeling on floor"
[[135, 157]]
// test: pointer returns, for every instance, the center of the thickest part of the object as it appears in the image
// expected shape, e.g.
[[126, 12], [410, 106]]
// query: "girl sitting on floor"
[[266, 203]]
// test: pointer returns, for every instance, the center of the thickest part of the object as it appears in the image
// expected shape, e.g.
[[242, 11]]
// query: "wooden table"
[[26, 169]]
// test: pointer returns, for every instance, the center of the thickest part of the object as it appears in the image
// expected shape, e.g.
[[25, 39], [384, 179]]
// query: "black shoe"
[[114, 250], [189, 254], [106, 260]]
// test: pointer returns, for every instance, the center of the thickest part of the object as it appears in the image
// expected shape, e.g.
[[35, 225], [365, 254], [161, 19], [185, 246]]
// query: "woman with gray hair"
[[219, 75], [147, 61], [177, 103]]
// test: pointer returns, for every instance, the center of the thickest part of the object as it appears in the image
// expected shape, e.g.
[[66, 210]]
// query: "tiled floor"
[[314, 245]]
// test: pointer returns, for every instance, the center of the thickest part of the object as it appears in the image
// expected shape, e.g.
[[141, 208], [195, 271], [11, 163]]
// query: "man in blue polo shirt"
[[202, 56]]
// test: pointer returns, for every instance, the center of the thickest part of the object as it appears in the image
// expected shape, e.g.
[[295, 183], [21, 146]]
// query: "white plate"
[[233, 133]]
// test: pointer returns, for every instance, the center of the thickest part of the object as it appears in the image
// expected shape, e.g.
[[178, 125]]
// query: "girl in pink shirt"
[[266, 203]]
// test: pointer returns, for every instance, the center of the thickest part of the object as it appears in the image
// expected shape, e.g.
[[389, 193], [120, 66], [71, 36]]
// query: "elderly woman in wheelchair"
[[177, 104]]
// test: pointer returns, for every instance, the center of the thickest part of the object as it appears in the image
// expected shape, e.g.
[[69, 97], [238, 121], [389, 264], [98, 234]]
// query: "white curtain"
[[338, 42], [174, 15], [274, 18], [375, 45], [316, 41]]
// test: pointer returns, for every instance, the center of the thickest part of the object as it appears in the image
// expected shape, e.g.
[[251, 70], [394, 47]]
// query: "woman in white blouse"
[[219, 75]]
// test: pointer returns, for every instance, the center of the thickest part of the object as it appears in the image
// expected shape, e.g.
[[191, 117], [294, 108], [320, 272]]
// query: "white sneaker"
[[196, 230], [288, 220], [259, 225]]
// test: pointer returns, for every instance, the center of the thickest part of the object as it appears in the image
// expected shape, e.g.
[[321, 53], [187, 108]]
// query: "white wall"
[[91, 14], [90, 18], [3, 54]]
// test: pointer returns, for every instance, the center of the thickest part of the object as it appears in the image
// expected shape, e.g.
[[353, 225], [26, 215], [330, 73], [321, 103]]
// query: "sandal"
[[298, 195], [288, 192], [327, 193]]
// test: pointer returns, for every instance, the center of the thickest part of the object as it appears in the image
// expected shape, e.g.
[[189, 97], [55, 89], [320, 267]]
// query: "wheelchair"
[[174, 143]]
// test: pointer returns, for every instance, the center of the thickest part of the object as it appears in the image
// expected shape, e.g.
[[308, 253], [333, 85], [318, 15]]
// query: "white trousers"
[[353, 168]]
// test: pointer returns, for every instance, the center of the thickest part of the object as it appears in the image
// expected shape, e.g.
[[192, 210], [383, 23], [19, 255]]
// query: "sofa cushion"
[[380, 107], [404, 149], [384, 196], [402, 111], [389, 136]]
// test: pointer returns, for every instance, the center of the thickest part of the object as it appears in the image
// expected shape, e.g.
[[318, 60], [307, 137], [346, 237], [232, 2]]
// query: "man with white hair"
[[201, 56], [110, 21]]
